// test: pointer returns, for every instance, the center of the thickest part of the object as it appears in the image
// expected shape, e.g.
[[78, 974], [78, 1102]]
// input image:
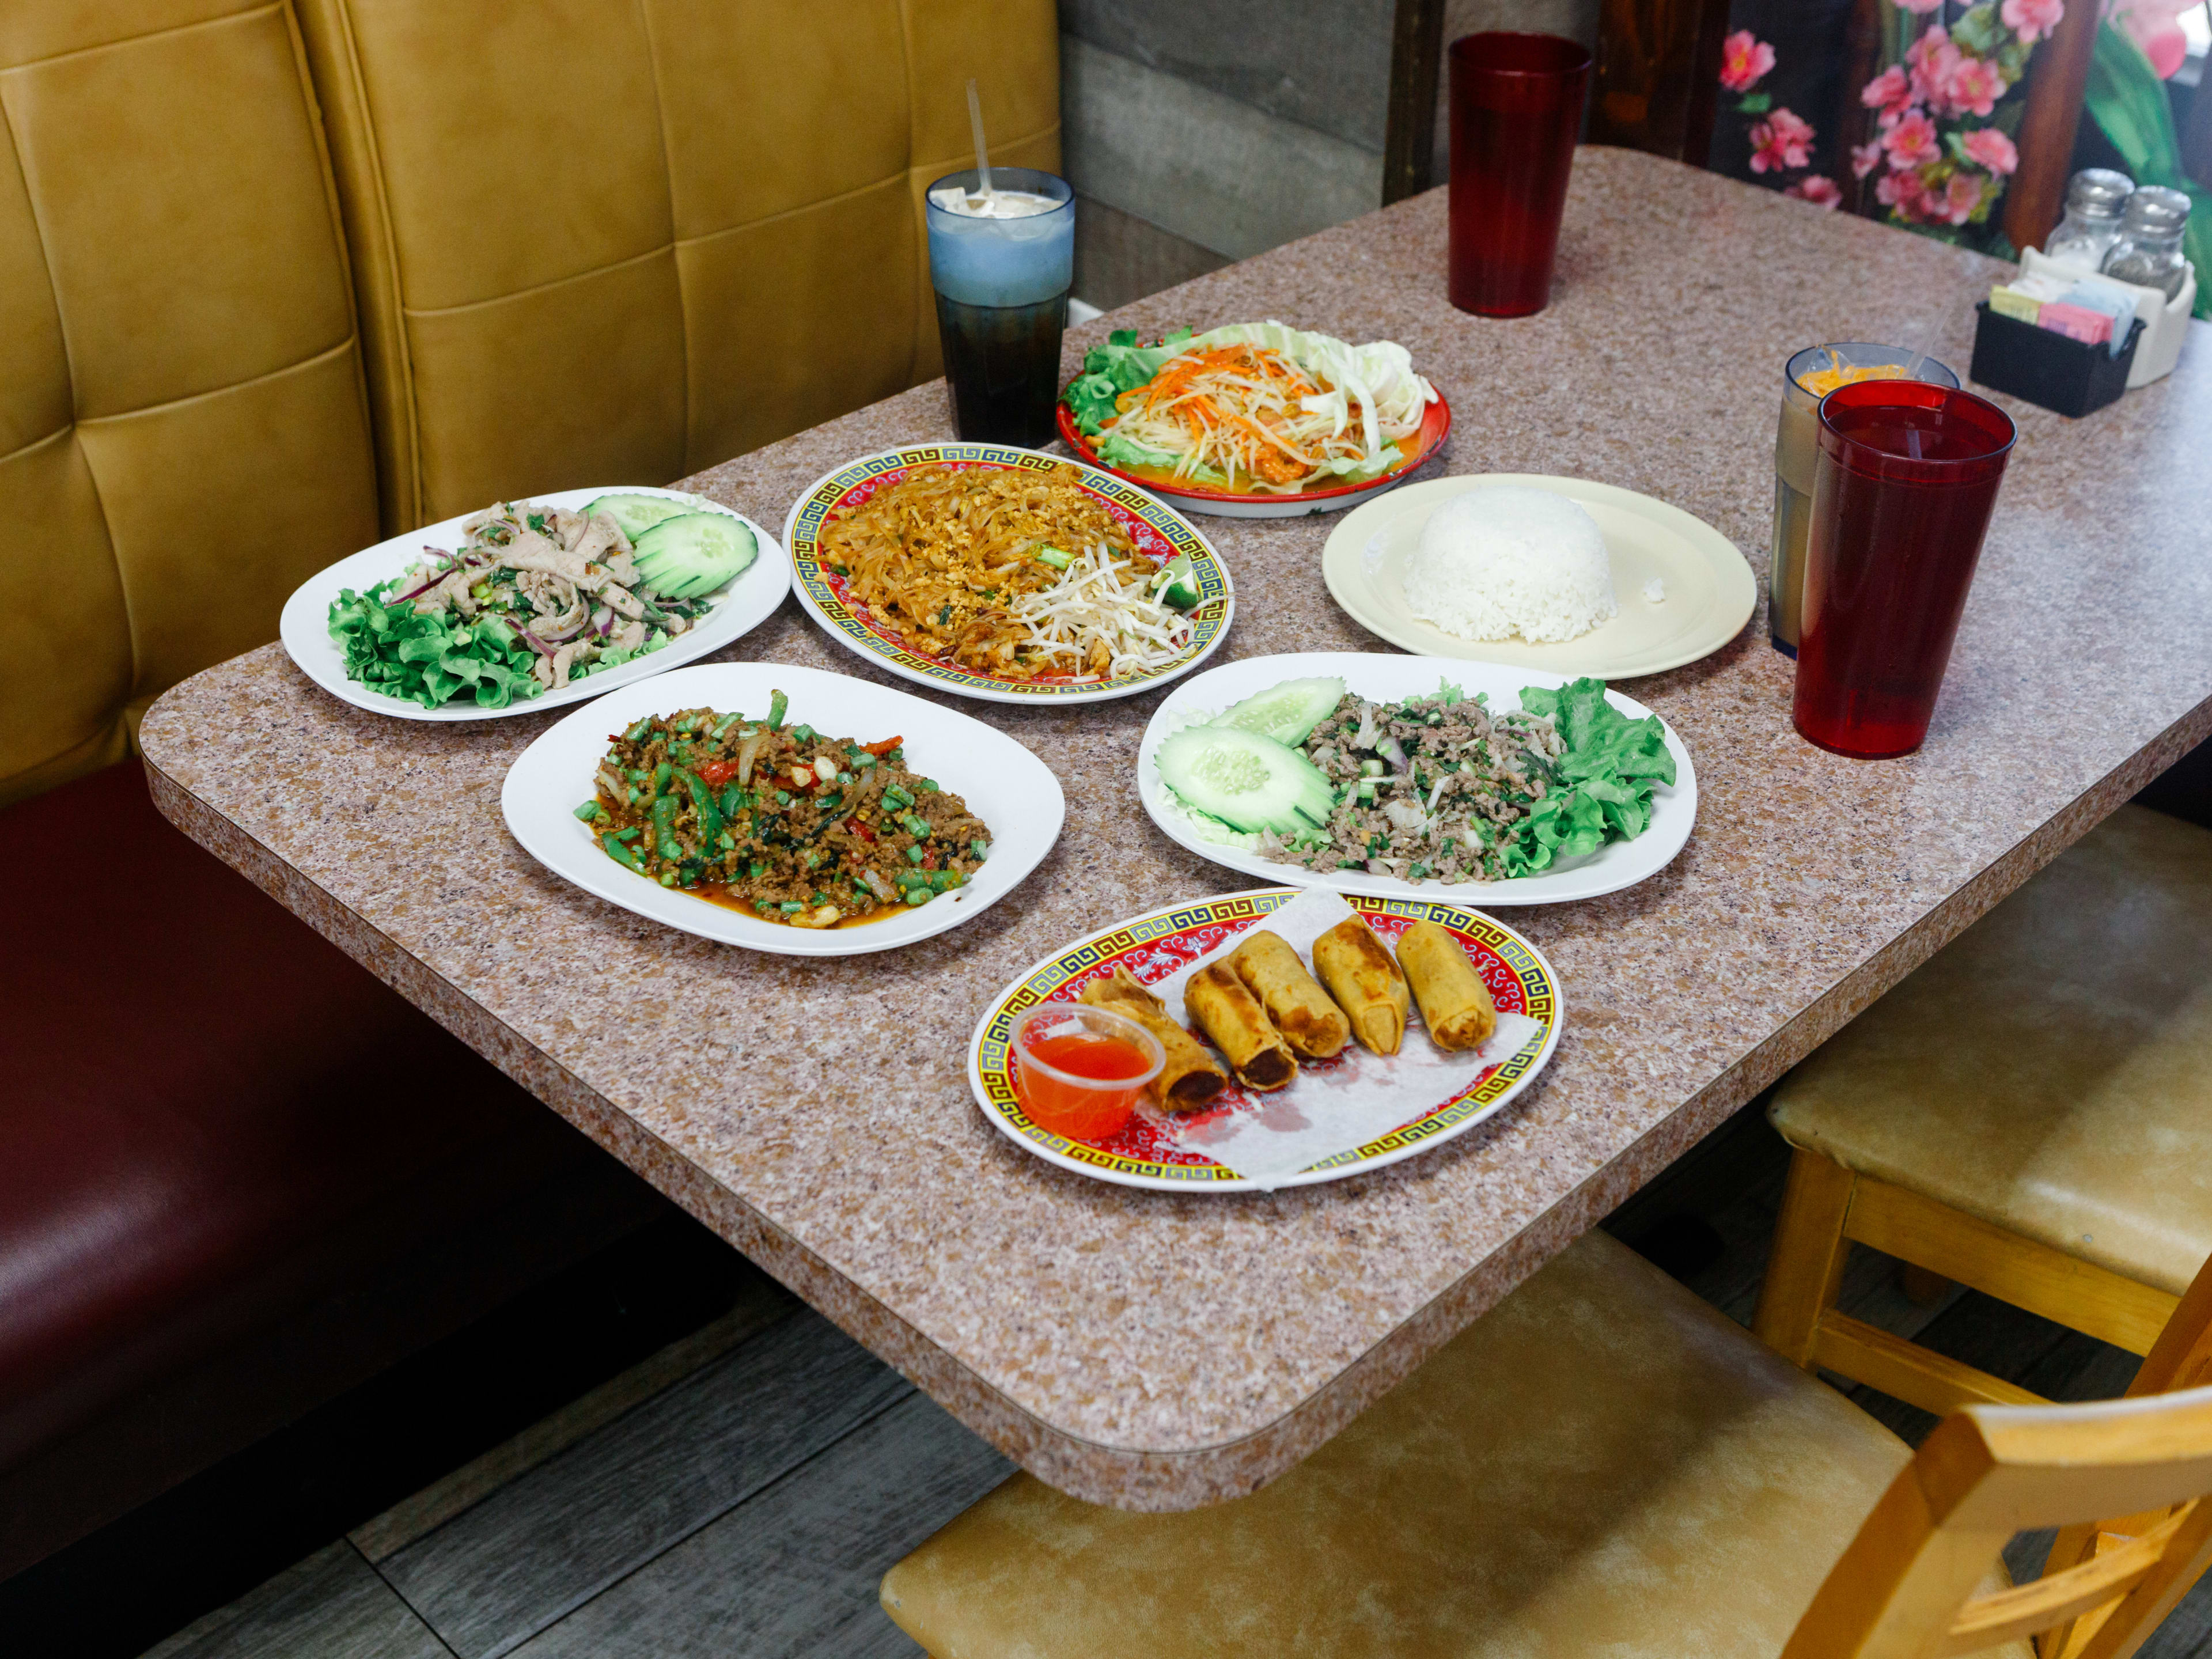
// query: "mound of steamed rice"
[[1512, 560]]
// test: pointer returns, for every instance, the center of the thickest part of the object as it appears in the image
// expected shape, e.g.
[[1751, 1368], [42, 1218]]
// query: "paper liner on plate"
[[1333, 1106]]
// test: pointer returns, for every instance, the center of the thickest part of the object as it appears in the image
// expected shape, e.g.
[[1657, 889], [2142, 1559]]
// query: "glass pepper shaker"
[[2148, 250], [2095, 199]]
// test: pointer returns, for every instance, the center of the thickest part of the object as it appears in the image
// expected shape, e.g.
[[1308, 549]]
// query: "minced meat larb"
[[777, 820]]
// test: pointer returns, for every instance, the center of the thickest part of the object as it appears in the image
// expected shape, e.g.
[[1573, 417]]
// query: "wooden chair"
[[1604, 1464], [2029, 1114]]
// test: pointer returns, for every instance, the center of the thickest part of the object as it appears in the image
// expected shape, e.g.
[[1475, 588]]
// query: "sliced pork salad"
[[537, 596], [1432, 788]]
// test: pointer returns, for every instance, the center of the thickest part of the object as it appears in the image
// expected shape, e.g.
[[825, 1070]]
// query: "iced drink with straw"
[[1002, 260]]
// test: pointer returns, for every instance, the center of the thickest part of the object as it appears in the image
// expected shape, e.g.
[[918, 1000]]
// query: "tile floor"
[[741, 1492]]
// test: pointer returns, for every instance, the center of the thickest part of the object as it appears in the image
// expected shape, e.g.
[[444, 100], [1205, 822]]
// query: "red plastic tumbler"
[[1903, 486], [1516, 107]]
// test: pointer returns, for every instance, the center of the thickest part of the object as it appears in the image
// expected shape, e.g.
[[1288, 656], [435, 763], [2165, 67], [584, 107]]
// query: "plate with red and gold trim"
[[1164, 1153], [1157, 531]]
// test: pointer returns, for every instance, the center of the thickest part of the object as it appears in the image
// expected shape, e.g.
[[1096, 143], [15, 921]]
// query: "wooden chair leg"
[[1805, 1268]]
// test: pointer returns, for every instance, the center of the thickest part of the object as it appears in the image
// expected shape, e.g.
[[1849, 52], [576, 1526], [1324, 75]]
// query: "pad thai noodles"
[[1253, 407], [1010, 571]]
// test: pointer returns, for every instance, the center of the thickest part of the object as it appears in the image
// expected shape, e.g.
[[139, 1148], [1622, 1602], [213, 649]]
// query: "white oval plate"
[[1009, 789], [1710, 591], [1386, 677], [1157, 529], [742, 606], [1154, 945]]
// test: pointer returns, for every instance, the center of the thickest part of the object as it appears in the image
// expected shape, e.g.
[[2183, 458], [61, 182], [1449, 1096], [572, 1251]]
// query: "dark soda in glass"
[[1903, 487], [1002, 260], [1003, 365]]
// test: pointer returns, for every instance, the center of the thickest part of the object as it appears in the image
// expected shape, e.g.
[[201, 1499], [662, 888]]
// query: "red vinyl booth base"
[[238, 1175]]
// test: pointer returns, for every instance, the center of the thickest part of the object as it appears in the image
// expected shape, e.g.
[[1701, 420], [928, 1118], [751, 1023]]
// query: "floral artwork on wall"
[[1781, 141], [1946, 110]]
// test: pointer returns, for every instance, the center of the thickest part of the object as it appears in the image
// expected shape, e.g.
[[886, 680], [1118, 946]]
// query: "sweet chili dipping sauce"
[[1079, 1069]]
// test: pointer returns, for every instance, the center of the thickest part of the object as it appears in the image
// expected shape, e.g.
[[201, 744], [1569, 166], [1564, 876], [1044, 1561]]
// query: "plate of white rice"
[[1560, 574], [1387, 677]]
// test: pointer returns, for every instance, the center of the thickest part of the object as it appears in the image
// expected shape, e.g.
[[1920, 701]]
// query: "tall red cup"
[[1903, 486], [1516, 108]]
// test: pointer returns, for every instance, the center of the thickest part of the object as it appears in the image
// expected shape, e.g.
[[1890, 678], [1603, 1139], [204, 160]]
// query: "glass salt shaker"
[[2148, 250], [2095, 199]]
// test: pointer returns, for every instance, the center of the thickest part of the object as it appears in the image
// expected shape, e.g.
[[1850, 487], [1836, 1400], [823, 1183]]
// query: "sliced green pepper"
[[664, 828], [778, 706], [661, 774], [636, 733], [703, 801], [621, 854], [588, 810]]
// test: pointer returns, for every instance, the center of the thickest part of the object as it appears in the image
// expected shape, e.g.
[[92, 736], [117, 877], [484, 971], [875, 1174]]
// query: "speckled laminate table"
[[1159, 1352]]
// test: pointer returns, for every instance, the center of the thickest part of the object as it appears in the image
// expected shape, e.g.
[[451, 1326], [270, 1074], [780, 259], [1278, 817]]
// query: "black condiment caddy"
[[2045, 367]]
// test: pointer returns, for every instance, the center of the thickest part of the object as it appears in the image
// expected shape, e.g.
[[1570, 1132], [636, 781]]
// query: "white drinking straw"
[[975, 120]]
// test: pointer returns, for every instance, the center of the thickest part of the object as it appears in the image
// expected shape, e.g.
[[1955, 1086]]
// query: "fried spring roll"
[[1191, 1077], [1239, 1026], [1455, 1004], [1367, 984], [1314, 1026]]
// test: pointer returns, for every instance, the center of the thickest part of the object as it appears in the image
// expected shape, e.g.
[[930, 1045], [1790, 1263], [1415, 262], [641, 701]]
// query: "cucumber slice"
[[1287, 713], [1248, 782], [638, 513], [694, 553], [1176, 585]]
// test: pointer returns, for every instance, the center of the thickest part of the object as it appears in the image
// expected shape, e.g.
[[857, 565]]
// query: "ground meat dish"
[[1426, 787], [780, 821]]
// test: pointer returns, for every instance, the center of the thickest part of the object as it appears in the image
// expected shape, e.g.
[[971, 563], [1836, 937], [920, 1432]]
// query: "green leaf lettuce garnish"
[[1602, 783], [1119, 366], [434, 659]]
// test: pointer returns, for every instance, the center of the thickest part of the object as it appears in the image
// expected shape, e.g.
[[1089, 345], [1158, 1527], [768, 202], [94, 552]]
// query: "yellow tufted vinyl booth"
[[183, 431], [615, 242]]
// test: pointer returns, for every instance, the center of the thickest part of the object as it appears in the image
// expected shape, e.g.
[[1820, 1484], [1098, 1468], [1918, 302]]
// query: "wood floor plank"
[[792, 1573], [550, 1541], [331, 1605]]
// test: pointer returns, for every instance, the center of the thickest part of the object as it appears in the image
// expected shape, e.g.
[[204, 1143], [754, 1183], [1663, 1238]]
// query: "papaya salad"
[[1256, 408]]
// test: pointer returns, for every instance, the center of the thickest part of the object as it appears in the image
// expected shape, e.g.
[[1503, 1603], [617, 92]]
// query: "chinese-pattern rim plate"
[[1709, 590], [1158, 529], [1388, 676], [1193, 929], [1007, 786], [749, 600], [1436, 427]]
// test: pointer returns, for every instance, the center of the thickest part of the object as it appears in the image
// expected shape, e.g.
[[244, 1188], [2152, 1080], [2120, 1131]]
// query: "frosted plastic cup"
[[1516, 108], [1796, 443], [1002, 287], [1079, 1069], [1905, 481]]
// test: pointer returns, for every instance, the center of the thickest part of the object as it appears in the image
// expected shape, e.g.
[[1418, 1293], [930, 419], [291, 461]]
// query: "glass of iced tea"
[[1002, 260], [1902, 487], [1808, 377], [1516, 105], [1079, 1069]]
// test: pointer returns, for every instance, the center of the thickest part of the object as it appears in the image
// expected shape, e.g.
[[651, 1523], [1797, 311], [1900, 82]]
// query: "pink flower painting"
[[1911, 142], [1745, 60], [1991, 149], [2154, 25], [1819, 192], [2032, 20], [1781, 141], [1960, 196], [1976, 85], [1890, 93]]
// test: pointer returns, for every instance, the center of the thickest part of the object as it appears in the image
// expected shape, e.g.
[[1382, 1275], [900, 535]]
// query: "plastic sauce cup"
[[1080, 1069]]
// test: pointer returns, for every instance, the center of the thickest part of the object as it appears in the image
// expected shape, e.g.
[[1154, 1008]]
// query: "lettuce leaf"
[[1119, 366], [427, 658], [1602, 781]]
